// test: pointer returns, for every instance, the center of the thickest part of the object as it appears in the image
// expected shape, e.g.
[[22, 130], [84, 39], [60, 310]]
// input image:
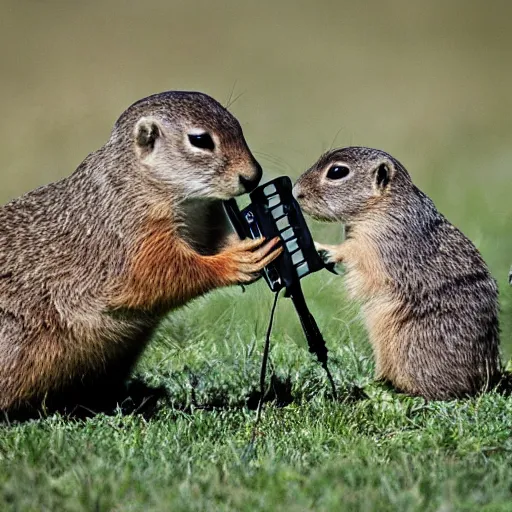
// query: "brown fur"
[[90, 264], [429, 302], [165, 272]]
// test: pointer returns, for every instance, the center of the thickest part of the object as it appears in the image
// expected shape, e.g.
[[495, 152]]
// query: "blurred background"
[[429, 82]]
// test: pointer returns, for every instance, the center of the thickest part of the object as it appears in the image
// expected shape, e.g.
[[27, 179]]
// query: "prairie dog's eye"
[[337, 172], [202, 141]]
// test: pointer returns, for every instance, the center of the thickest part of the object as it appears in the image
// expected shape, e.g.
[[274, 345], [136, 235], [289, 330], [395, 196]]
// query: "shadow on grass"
[[136, 397], [139, 398]]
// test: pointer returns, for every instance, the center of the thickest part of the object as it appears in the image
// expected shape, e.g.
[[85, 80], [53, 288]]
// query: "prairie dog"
[[90, 264], [429, 302]]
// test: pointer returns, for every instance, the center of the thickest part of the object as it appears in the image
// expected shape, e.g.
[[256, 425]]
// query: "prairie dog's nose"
[[251, 182], [296, 192]]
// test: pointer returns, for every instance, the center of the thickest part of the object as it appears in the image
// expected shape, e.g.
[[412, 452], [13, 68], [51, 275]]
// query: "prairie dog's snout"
[[297, 192], [249, 178]]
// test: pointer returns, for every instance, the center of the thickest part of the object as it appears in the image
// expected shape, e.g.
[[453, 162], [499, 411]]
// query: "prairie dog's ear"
[[147, 131], [382, 176]]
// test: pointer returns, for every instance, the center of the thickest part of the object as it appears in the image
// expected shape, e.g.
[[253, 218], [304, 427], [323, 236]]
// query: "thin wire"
[[263, 372], [331, 380]]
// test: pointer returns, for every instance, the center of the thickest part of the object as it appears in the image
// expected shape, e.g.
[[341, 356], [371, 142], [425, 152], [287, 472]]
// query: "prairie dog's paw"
[[331, 257], [328, 253], [248, 257]]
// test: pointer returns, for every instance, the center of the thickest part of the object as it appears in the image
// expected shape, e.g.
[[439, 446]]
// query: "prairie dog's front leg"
[[165, 271], [241, 261]]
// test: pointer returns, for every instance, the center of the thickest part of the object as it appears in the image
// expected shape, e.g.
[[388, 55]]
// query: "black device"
[[275, 212]]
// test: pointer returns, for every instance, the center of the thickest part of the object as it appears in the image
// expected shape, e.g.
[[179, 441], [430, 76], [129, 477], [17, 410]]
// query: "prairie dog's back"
[[429, 301]]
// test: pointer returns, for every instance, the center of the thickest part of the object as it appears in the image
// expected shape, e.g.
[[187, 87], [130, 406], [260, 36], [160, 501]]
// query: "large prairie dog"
[[90, 264], [428, 299]]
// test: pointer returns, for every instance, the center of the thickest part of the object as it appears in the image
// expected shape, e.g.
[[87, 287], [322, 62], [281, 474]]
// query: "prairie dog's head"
[[189, 143], [346, 183]]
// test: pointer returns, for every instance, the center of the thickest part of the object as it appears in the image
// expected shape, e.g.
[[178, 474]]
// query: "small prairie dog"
[[429, 302], [90, 264]]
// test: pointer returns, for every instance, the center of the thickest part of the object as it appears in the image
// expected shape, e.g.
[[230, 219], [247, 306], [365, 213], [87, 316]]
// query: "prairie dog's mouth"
[[315, 207], [320, 216]]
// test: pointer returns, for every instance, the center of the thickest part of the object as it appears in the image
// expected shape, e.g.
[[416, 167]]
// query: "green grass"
[[374, 450]]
